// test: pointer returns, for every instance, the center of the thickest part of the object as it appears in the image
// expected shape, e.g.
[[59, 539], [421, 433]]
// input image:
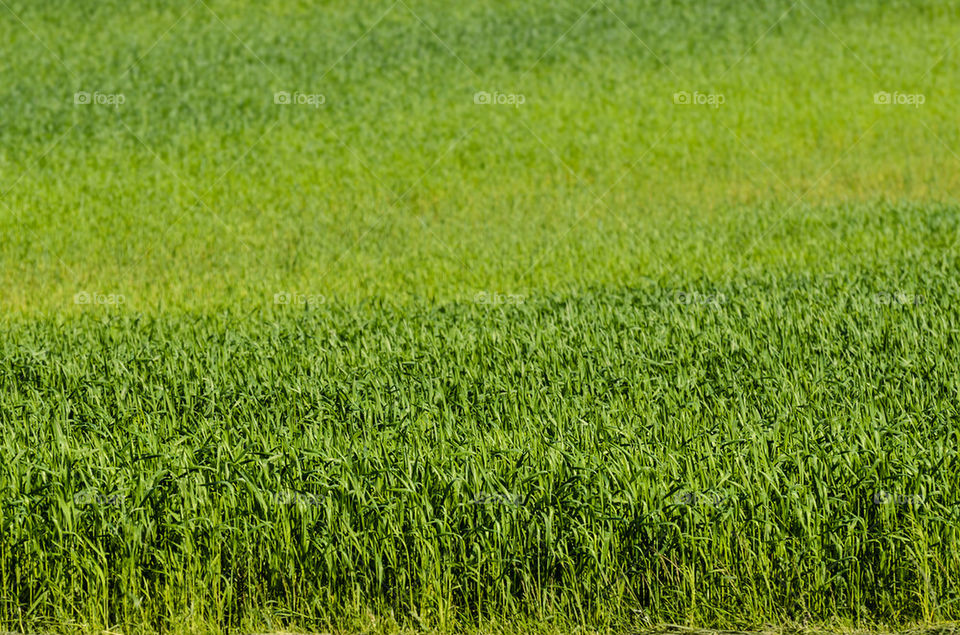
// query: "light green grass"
[[403, 361], [200, 191]]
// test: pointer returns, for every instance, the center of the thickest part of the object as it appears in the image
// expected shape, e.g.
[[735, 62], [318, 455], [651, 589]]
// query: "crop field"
[[493, 316]]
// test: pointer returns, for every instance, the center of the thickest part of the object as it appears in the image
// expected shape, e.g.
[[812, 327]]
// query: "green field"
[[667, 333]]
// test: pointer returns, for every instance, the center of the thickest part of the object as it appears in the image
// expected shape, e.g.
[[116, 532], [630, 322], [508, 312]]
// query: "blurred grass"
[[200, 191]]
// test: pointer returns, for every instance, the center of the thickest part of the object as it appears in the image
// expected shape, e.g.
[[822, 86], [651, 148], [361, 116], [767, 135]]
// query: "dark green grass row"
[[774, 450]]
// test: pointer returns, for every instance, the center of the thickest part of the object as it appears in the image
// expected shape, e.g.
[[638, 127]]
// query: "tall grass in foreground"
[[775, 450]]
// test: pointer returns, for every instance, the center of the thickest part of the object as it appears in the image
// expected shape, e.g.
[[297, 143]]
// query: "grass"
[[200, 191], [403, 361], [704, 461]]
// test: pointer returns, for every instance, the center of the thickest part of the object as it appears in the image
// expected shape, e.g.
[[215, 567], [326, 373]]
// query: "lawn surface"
[[299, 332]]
